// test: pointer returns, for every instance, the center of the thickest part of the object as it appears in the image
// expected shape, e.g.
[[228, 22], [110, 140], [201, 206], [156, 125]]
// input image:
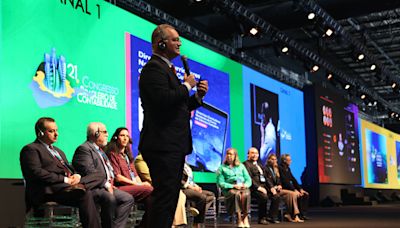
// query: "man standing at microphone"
[[166, 138]]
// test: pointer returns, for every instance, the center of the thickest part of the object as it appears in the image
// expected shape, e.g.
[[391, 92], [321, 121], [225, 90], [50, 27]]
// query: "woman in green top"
[[234, 180]]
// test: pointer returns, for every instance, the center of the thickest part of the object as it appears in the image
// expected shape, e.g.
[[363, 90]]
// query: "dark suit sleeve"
[[194, 103], [32, 168], [294, 181], [268, 176], [154, 82], [254, 185], [184, 179], [93, 180], [83, 161]]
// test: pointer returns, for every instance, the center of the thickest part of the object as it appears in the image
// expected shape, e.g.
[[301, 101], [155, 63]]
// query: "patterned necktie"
[[57, 156], [107, 163]]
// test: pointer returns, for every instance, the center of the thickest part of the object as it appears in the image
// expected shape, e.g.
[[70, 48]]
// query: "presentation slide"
[[274, 119], [398, 159], [380, 148], [376, 156], [205, 157], [337, 138], [264, 119], [70, 61]]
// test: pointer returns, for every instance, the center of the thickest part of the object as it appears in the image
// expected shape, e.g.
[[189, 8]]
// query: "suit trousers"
[[166, 170], [303, 204], [84, 201], [115, 208], [201, 200]]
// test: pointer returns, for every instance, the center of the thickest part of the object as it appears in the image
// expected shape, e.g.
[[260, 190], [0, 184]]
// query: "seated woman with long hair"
[[235, 181], [273, 176], [126, 178]]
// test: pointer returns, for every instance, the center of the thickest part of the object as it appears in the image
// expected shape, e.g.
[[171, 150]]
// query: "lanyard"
[[107, 166], [57, 155], [129, 167]]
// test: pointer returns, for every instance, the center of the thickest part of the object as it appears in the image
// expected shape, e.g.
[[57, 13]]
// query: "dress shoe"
[[297, 219], [303, 217], [288, 218], [273, 220], [194, 212], [263, 221], [240, 225]]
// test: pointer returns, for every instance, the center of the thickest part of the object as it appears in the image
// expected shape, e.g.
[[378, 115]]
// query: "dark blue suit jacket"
[[167, 105], [44, 174]]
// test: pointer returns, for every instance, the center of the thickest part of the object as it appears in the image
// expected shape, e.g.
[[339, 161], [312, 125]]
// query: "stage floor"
[[387, 215]]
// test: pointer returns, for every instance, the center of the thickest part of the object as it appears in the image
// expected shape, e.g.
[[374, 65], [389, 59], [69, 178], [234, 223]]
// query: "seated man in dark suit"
[[49, 177], [290, 183], [259, 187], [89, 158]]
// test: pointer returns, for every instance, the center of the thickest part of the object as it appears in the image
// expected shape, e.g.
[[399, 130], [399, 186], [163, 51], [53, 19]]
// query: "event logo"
[[52, 85]]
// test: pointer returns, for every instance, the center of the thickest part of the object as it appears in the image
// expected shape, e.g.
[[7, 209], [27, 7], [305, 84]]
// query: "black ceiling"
[[370, 27]]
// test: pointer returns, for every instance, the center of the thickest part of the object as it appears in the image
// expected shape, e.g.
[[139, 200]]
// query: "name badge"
[[262, 178]]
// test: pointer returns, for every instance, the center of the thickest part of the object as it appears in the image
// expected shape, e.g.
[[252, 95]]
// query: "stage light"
[[253, 31], [393, 115], [375, 103], [397, 114], [394, 85], [315, 68], [363, 96], [329, 32], [285, 49], [360, 56], [329, 77], [347, 86], [373, 67], [311, 16]]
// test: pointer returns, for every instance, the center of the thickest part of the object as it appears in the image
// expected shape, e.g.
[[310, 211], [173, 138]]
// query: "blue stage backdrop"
[[276, 111], [210, 124]]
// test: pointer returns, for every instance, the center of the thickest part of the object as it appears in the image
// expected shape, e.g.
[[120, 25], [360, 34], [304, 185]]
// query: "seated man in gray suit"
[[90, 158]]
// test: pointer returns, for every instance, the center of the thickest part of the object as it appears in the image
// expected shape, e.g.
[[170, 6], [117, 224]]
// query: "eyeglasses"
[[104, 132]]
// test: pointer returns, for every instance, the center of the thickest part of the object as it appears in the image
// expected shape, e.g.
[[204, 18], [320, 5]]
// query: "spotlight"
[[311, 16], [285, 49], [397, 114], [329, 32], [330, 76], [373, 67], [363, 96], [347, 86], [392, 115], [253, 31], [315, 68], [375, 103], [394, 85], [360, 56]]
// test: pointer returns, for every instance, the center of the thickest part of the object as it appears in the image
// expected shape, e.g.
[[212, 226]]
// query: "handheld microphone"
[[185, 64]]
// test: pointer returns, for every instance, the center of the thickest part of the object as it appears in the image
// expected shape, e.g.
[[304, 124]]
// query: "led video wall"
[[274, 119], [80, 63], [337, 138], [380, 154]]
